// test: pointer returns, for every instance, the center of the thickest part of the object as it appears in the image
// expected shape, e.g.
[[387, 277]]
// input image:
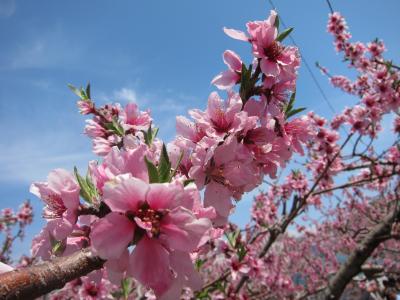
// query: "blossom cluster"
[[377, 83], [12, 226], [139, 208]]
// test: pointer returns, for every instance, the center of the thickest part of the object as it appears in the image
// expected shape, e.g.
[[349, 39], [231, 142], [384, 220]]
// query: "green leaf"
[[150, 135], [152, 170], [164, 166], [276, 24], [198, 263], [75, 90], [84, 187], [284, 34], [291, 102], [294, 112], [177, 164], [57, 247], [232, 237], [241, 251], [115, 127], [88, 91], [118, 128], [126, 287]]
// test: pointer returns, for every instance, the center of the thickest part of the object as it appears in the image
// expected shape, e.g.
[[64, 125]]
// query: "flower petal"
[[269, 68], [233, 61], [219, 197], [125, 193], [181, 230], [225, 80], [111, 235], [236, 34], [162, 195], [149, 264]]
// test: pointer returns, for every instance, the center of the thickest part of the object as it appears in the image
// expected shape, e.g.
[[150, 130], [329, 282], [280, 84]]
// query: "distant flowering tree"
[[137, 227]]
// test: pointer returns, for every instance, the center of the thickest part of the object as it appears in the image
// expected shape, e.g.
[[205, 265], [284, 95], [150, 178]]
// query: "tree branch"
[[38, 280], [354, 262]]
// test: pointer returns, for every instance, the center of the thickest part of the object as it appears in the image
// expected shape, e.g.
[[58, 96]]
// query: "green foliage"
[[284, 34], [83, 94], [163, 172], [150, 135], [289, 110], [88, 190]]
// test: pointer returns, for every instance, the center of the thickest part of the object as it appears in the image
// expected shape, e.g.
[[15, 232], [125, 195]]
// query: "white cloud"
[[125, 95], [31, 156], [44, 50], [7, 8]]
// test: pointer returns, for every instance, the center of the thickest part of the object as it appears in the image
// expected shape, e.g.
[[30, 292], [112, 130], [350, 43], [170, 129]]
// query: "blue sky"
[[161, 54]]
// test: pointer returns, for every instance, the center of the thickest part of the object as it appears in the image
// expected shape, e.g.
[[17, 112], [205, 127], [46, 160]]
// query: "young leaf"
[[284, 34], [118, 128], [152, 170], [241, 252], [164, 166], [88, 91], [84, 188], [198, 263], [126, 287], [75, 90], [276, 24], [294, 112], [177, 165], [291, 102]]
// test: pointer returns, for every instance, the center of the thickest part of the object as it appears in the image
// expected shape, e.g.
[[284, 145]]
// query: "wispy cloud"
[[29, 158], [49, 49]]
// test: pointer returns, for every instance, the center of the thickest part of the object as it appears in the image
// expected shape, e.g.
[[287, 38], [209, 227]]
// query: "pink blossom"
[[101, 146], [85, 107], [151, 214], [221, 116], [230, 77], [94, 129], [135, 119], [61, 195]]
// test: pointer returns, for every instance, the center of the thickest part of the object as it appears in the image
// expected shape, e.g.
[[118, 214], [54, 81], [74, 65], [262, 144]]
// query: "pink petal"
[[117, 267], [181, 230], [253, 107], [233, 61], [186, 275], [125, 193], [64, 183], [219, 197], [162, 195], [111, 235], [225, 80], [135, 164], [60, 228], [269, 68], [236, 34], [226, 152], [238, 173], [149, 264]]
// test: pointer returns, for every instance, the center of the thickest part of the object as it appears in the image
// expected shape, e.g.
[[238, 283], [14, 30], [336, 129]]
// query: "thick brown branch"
[[354, 262], [38, 280]]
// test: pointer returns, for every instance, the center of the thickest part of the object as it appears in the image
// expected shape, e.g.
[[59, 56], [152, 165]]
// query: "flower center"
[[55, 207], [151, 217], [273, 51]]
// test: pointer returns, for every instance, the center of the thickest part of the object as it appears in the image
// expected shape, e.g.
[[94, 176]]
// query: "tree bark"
[[354, 262], [38, 280]]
